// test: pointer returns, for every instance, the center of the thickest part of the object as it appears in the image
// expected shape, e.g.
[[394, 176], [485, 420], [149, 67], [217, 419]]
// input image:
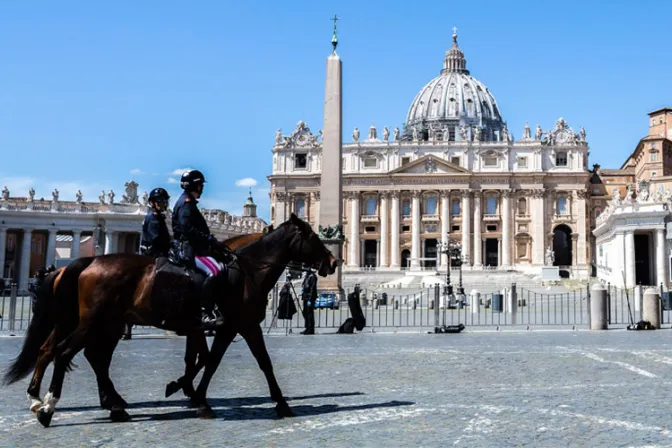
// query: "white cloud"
[[172, 180], [136, 171], [180, 171], [246, 182]]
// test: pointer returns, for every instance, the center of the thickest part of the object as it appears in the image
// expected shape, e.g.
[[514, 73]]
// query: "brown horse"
[[113, 286], [196, 346]]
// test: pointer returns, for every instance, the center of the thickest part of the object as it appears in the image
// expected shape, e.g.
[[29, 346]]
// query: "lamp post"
[[453, 249]]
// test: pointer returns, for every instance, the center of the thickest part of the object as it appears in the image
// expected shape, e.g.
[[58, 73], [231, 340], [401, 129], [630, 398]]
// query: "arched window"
[[370, 207], [456, 207], [522, 206], [300, 208], [272, 213], [491, 206], [406, 208], [562, 206], [430, 205]]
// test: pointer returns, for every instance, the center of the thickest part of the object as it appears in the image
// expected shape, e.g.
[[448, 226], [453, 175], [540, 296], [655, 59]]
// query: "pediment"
[[430, 164]]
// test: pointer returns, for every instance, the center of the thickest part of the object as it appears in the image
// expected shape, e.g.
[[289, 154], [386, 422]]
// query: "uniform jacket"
[[309, 287], [155, 236], [190, 228]]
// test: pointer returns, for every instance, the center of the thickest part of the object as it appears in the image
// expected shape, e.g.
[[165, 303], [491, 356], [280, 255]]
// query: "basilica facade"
[[454, 172], [37, 232]]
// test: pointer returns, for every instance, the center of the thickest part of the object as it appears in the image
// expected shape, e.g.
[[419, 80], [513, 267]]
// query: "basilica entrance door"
[[562, 245], [405, 258], [642, 260], [430, 252], [371, 253], [492, 252]]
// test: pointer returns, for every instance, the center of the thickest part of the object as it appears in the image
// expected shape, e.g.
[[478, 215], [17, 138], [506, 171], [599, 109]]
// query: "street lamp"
[[453, 249]]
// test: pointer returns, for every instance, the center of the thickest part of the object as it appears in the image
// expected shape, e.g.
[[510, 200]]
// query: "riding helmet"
[[158, 194], [191, 180]]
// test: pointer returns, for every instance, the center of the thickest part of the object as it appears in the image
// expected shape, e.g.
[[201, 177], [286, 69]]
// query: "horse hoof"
[[44, 417], [283, 410], [171, 388], [119, 416], [206, 413], [35, 405]]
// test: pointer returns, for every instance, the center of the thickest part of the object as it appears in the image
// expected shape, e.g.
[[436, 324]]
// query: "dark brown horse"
[[114, 286], [196, 346]]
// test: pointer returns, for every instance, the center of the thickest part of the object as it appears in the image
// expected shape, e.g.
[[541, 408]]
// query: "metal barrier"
[[624, 306], [15, 309]]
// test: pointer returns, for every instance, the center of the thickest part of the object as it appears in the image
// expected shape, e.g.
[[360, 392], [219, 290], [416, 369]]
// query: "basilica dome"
[[454, 100]]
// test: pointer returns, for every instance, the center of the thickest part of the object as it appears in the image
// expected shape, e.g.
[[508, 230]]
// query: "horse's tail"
[[41, 326]]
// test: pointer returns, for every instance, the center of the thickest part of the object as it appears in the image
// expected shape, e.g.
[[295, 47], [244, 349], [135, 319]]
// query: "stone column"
[[445, 223], [353, 256], [538, 233], [76, 240], [110, 240], [506, 228], [478, 220], [384, 231], [316, 200], [3, 249], [394, 236], [51, 247], [415, 230], [581, 243], [660, 258], [281, 209], [24, 273], [629, 258], [466, 227]]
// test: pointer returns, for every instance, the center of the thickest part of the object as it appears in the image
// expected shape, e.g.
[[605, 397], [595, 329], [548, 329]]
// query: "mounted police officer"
[[155, 241], [191, 231]]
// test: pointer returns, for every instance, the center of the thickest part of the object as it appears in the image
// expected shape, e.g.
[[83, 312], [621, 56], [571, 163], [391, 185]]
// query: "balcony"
[[494, 217], [430, 218], [563, 218], [369, 218]]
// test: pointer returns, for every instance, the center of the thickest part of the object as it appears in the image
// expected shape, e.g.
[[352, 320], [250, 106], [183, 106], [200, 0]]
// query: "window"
[[522, 162], [300, 208], [456, 207], [491, 206], [370, 162], [598, 212], [490, 161], [370, 207], [406, 208], [653, 156], [654, 174], [405, 228], [272, 213], [405, 160], [561, 158], [370, 229], [451, 134], [491, 227], [430, 205], [456, 228], [455, 161], [562, 206], [300, 161], [522, 206]]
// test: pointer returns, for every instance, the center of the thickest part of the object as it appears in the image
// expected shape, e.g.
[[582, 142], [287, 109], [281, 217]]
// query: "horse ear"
[[293, 218]]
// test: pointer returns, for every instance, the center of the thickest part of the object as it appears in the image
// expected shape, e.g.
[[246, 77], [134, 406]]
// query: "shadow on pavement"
[[214, 402]]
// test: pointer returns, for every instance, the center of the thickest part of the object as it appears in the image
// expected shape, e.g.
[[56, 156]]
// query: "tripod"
[[295, 298]]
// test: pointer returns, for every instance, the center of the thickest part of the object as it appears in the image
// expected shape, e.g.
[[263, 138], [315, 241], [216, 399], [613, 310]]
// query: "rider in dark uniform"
[[155, 241], [191, 230]]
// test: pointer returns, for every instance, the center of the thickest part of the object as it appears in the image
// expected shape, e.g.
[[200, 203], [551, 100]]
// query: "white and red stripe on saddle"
[[208, 265]]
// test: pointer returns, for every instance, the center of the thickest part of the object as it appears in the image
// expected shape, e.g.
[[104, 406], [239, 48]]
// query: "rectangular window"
[[654, 174], [456, 207], [455, 161], [490, 161], [561, 158], [491, 206], [405, 228], [300, 208], [491, 228], [370, 207], [653, 156], [406, 208], [522, 162], [405, 161], [456, 228], [451, 134], [370, 229], [300, 161], [370, 162]]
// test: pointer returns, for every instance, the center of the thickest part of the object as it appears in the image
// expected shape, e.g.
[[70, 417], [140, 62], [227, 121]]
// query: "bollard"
[[475, 301], [598, 307], [12, 305], [431, 304], [651, 307], [513, 303]]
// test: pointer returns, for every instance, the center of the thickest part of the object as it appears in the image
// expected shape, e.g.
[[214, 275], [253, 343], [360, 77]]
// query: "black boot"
[[209, 317]]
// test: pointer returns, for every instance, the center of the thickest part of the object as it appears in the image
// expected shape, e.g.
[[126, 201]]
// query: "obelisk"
[[331, 185]]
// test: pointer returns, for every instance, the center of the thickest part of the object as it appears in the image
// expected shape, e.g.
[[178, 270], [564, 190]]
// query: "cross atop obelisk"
[[331, 185]]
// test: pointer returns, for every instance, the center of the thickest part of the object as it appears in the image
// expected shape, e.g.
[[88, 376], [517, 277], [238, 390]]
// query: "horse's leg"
[[64, 352], [43, 359], [196, 346], [99, 356], [223, 339], [255, 340]]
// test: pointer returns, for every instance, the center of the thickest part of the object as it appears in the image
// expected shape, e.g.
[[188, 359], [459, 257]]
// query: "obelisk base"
[[333, 283]]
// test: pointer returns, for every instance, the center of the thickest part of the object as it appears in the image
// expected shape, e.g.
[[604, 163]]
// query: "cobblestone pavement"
[[493, 389]]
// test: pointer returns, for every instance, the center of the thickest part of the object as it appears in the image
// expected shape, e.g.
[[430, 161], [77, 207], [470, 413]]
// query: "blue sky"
[[93, 94]]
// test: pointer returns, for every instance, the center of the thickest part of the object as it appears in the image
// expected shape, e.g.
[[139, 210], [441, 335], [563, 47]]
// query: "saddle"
[[173, 297]]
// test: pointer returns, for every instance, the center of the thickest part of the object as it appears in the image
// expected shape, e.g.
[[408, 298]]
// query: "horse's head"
[[306, 247]]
